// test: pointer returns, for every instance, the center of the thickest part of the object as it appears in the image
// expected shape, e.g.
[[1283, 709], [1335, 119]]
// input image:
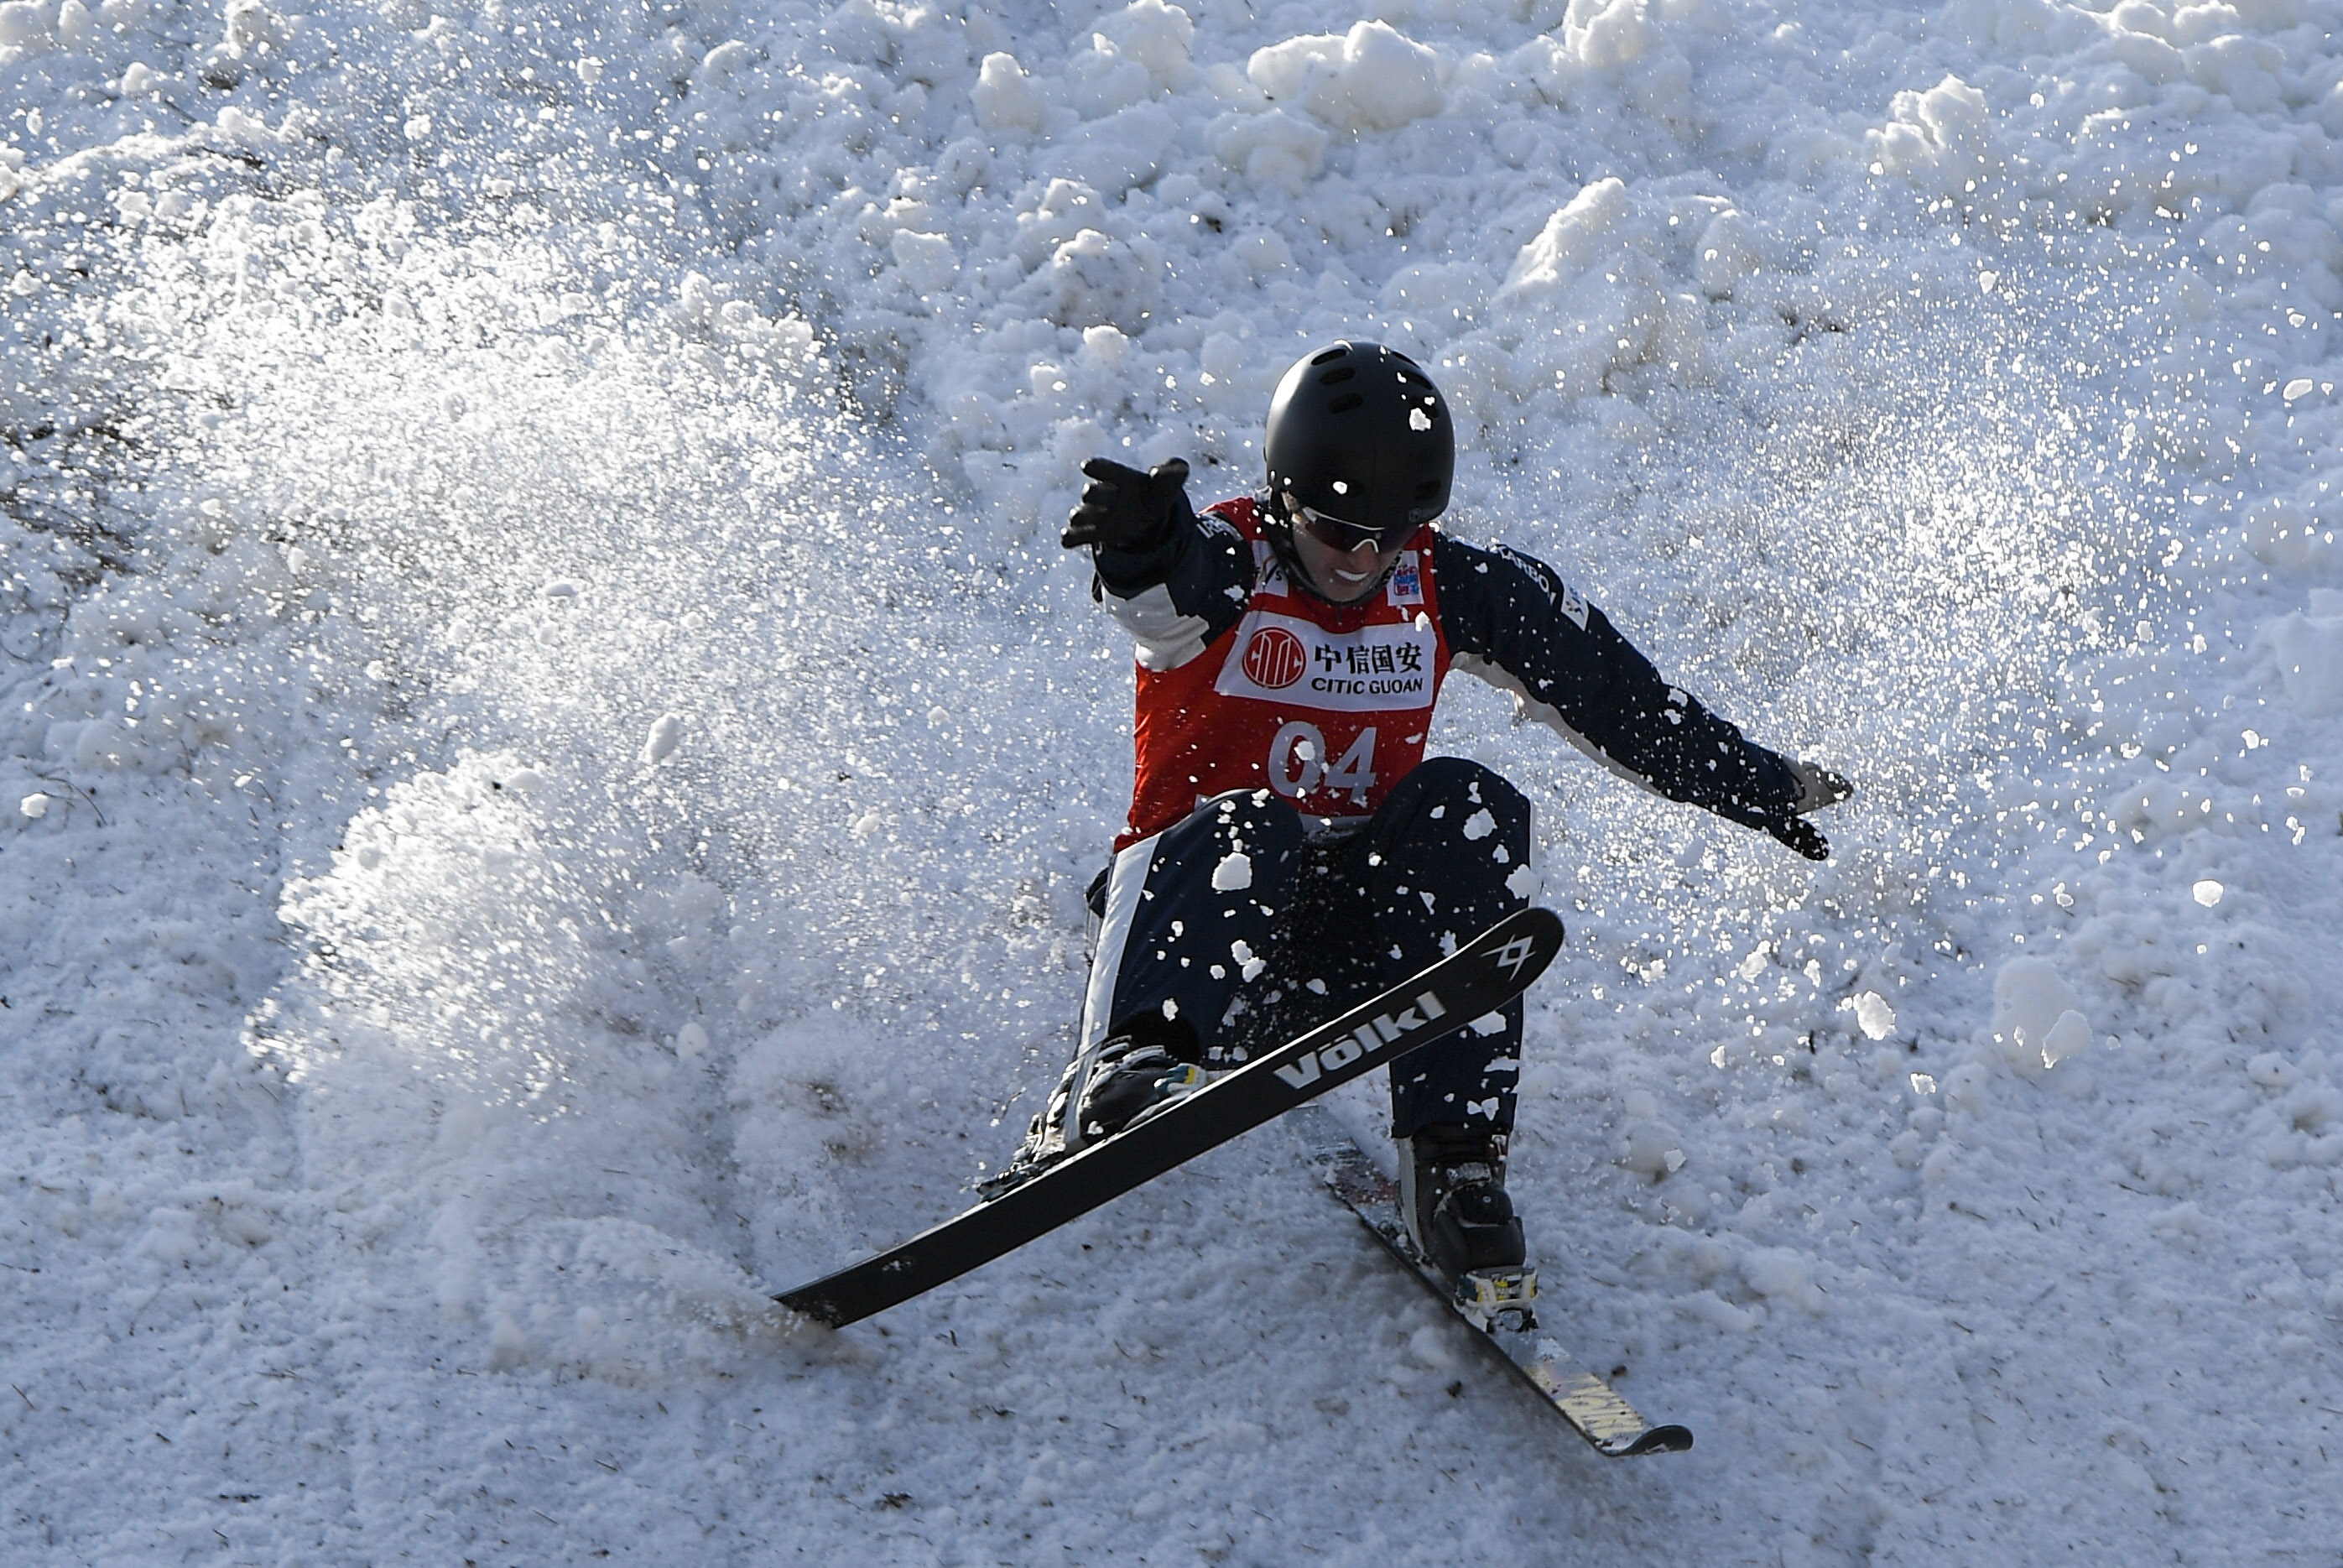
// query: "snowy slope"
[[547, 751]]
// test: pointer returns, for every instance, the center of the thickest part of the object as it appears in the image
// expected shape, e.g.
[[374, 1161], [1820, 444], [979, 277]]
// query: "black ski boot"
[[1123, 1081], [1129, 1080], [1452, 1192]]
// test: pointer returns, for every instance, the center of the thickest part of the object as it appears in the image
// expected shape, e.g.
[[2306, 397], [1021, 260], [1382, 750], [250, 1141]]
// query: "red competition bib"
[[1326, 704]]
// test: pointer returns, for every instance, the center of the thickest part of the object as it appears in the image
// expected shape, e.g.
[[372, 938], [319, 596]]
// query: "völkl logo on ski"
[[1371, 1036]]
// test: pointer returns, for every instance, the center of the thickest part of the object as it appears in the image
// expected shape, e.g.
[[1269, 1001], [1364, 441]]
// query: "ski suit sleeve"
[[1175, 596], [1511, 621]]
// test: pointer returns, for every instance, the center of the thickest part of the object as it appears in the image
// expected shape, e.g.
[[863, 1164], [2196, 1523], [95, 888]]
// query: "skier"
[[1290, 849]]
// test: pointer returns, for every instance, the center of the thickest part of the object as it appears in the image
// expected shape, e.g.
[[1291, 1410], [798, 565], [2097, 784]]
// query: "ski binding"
[[1491, 1297]]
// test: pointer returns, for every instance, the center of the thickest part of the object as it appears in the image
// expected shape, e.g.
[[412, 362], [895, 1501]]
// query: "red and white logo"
[[1274, 658]]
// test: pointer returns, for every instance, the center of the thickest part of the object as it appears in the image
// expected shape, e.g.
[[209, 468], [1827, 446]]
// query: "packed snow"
[[548, 753]]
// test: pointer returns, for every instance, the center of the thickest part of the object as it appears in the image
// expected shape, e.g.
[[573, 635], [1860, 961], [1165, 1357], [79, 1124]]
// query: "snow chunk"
[[1102, 82], [1480, 825], [1727, 253], [691, 1040], [24, 25], [1248, 965], [2031, 1003], [1779, 1274], [1233, 873], [2206, 892], [1006, 99], [2309, 649], [1373, 77], [1709, 1308], [1523, 883], [1941, 140], [666, 734], [1274, 148], [1094, 279], [1604, 33], [1572, 240], [924, 261], [1872, 1013], [2272, 1071], [34, 806], [1157, 35], [1583, 298], [2070, 1036], [1650, 1148], [1430, 1345]]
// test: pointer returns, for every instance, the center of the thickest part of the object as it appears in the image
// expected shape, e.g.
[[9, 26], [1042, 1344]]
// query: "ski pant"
[[1230, 932]]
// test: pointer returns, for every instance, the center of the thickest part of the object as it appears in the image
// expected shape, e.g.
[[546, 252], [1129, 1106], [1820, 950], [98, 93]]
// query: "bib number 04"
[[1297, 763]]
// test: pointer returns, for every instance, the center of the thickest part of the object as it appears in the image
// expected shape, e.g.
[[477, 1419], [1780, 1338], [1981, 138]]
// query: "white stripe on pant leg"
[[1124, 884]]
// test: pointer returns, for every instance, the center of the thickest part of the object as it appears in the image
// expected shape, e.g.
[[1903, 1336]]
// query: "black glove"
[[1817, 787], [1125, 509]]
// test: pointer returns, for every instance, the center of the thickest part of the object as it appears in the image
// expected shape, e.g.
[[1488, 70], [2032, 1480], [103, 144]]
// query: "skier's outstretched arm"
[[1174, 580], [1510, 620]]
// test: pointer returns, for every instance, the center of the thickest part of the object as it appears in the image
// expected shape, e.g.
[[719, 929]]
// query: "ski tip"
[[815, 1308], [1652, 1440], [1523, 944]]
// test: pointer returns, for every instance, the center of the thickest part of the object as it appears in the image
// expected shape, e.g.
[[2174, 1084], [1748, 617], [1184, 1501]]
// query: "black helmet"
[[1359, 432]]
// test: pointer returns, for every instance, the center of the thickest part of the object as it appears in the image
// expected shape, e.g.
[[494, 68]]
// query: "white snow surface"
[[552, 753]]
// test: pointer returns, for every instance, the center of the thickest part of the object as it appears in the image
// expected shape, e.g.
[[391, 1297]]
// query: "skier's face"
[[1345, 574]]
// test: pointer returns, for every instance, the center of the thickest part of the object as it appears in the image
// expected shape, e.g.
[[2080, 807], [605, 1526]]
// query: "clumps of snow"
[[1006, 99], [1781, 1275], [1373, 77], [2035, 1013], [2310, 650], [33, 806], [1646, 1144], [1278, 151], [2206, 890], [1872, 1014], [1233, 873], [1941, 140], [666, 734], [2069, 1036], [1598, 289], [2271, 1069], [1158, 36]]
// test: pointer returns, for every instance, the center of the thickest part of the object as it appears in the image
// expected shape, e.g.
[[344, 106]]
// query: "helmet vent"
[[1332, 376], [1345, 403], [1339, 351]]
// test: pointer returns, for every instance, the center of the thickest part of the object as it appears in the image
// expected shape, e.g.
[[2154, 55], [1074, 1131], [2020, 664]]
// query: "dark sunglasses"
[[1337, 534]]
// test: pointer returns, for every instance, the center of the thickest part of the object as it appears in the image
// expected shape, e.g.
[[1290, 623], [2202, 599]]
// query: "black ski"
[[1502, 1315], [1476, 979]]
